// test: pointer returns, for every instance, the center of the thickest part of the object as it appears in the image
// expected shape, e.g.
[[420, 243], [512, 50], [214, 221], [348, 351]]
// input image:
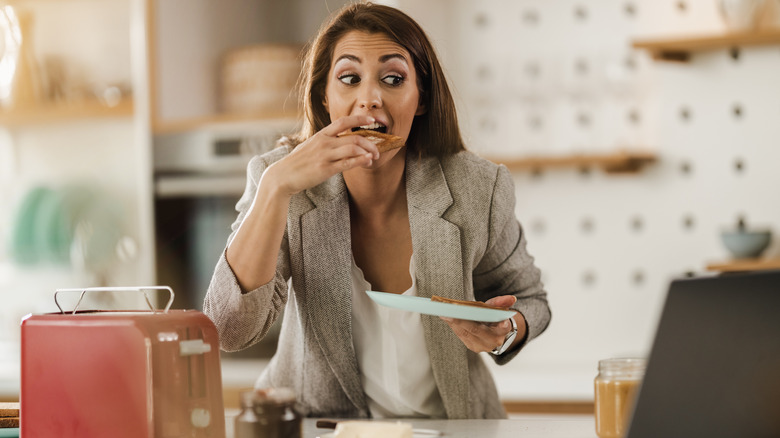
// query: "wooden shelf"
[[680, 48], [622, 161], [741, 265], [64, 112], [183, 125]]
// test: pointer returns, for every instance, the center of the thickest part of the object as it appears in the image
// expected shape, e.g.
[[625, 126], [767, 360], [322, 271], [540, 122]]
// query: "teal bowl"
[[743, 244]]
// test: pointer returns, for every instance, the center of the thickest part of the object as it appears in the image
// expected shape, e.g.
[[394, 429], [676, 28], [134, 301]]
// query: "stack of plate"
[[74, 225]]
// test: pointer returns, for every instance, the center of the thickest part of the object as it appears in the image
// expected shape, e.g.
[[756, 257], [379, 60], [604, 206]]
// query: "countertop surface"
[[569, 426]]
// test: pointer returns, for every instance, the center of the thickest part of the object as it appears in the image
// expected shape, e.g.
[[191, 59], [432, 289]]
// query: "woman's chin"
[[385, 158]]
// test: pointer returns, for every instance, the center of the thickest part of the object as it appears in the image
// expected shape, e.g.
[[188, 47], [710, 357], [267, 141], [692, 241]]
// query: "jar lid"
[[278, 396], [626, 366]]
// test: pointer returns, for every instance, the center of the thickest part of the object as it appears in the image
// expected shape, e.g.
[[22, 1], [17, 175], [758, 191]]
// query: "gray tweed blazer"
[[467, 244]]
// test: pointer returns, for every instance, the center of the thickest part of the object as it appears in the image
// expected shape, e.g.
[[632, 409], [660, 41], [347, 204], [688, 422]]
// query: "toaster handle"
[[142, 289]]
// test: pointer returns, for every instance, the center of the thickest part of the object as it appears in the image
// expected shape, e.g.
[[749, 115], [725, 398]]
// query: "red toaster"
[[119, 374]]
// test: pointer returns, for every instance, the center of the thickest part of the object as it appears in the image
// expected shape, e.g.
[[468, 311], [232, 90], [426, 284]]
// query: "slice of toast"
[[9, 410], [9, 422], [384, 142], [467, 303]]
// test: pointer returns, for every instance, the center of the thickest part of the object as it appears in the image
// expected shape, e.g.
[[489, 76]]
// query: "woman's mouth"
[[376, 126]]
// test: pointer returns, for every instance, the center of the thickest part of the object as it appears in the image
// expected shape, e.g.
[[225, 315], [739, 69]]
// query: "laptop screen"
[[714, 367]]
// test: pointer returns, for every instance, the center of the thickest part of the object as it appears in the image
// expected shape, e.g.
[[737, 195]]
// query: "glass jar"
[[268, 413], [616, 387]]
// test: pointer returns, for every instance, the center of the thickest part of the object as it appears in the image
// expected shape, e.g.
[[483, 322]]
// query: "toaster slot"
[[171, 381], [194, 350]]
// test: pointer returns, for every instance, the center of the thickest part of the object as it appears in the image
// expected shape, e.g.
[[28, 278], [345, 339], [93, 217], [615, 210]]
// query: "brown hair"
[[434, 133]]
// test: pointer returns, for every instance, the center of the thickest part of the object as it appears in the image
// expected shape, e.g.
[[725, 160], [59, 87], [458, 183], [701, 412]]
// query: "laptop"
[[714, 367]]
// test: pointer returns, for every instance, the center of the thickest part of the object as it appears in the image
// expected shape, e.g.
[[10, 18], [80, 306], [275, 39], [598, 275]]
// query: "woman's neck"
[[377, 192]]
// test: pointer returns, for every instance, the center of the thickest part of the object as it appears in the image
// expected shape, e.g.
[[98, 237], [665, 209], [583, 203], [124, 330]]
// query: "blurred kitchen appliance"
[[131, 374], [199, 177]]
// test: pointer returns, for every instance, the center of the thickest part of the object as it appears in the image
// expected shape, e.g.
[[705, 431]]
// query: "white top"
[[394, 363]]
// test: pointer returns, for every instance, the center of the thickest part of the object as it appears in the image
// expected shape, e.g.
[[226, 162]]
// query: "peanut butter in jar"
[[616, 387]]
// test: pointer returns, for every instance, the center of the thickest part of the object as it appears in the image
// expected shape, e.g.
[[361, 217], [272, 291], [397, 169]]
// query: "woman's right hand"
[[324, 155], [252, 254]]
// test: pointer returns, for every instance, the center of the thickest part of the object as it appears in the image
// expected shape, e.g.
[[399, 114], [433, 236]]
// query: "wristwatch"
[[507, 340]]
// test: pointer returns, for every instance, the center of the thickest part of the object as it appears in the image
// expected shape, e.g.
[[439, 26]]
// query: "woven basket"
[[260, 79]]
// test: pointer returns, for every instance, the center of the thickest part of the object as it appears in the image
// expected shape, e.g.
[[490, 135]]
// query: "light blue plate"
[[9, 432], [435, 308]]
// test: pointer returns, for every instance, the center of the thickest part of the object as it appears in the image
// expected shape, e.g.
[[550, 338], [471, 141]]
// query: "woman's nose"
[[370, 97]]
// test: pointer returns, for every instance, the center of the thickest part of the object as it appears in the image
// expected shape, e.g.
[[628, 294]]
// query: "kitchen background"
[[637, 132]]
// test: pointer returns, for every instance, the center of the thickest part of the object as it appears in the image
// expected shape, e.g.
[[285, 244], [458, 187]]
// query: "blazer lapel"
[[327, 259], [438, 264]]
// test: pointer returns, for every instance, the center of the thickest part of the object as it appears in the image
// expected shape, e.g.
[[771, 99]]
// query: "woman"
[[338, 218]]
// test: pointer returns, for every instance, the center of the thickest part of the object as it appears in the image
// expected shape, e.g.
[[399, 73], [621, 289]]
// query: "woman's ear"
[[325, 104]]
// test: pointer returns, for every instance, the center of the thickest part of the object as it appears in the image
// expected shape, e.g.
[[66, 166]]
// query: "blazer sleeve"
[[243, 319], [507, 268]]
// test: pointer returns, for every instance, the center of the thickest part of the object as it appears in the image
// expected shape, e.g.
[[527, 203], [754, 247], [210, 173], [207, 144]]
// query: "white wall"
[[608, 246]]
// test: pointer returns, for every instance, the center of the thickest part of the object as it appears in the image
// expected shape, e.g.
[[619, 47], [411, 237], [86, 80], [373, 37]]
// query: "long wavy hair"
[[434, 133]]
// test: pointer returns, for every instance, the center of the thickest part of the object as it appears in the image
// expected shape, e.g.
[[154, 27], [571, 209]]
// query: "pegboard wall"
[[549, 77]]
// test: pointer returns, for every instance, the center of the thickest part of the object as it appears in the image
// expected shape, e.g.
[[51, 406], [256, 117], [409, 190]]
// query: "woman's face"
[[371, 74]]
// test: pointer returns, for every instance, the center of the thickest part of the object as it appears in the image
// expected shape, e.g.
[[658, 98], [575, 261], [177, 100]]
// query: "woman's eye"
[[349, 79], [393, 80]]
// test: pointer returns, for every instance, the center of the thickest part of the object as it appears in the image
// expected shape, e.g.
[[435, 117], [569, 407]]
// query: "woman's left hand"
[[482, 336]]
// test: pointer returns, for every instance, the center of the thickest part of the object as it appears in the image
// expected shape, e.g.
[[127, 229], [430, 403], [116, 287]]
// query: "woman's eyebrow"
[[348, 57], [388, 57], [382, 59]]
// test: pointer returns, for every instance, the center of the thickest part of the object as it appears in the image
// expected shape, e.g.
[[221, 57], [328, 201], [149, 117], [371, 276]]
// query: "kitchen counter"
[[570, 426]]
